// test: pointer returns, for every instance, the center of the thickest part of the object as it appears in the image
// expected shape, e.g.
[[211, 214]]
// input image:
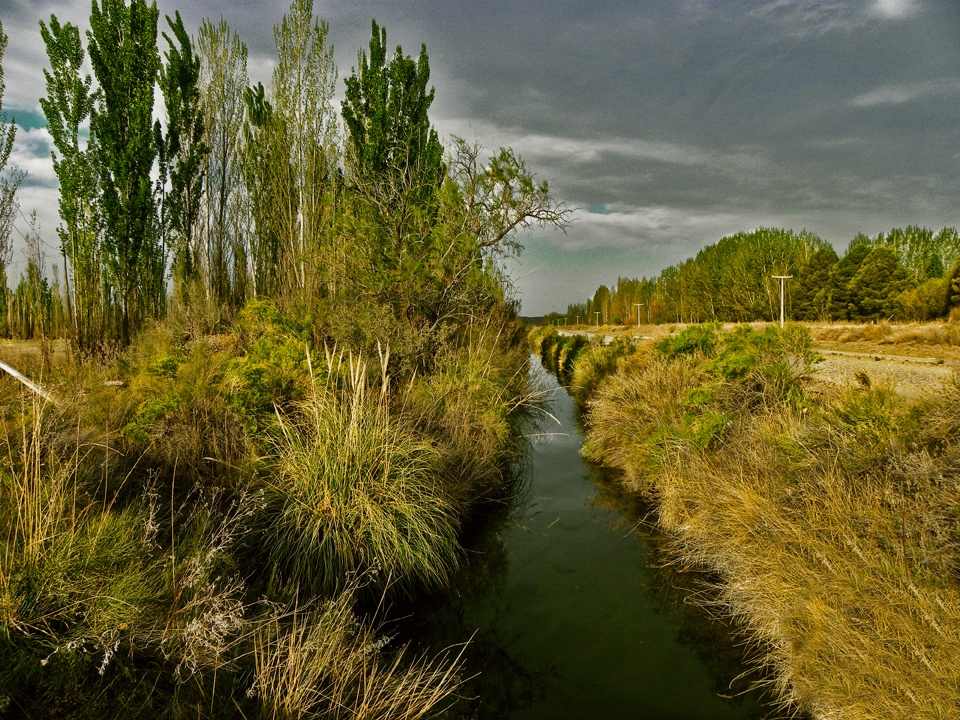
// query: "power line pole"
[[597, 313], [783, 279], [638, 306]]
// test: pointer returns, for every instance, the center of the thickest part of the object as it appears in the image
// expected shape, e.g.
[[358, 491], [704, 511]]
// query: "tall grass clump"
[[352, 489], [593, 364], [80, 583], [827, 525], [474, 406], [321, 662]]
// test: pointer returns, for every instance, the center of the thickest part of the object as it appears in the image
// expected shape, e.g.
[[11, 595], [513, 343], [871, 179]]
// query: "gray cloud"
[[667, 125]]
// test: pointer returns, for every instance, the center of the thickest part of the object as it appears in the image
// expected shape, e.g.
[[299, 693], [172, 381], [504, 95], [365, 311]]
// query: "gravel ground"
[[909, 377]]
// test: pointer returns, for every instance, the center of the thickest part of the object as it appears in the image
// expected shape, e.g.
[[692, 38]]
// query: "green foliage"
[[391, 144], [696, 339], [924, 302], [150, 414], [68, 104], [731, 281], [350, 490], [125, 60], [182, 151], [271, 369], [807, 290], [875, 286]]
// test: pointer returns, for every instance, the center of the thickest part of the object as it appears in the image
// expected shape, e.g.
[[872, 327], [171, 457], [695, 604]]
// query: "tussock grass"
[[830, 525], [474, 406], [351, 489]]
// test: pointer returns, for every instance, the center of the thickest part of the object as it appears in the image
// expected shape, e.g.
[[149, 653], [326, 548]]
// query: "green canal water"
[[569, 612]]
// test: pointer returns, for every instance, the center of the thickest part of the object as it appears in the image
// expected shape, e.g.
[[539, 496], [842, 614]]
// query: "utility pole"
[[578, 319], [783, 279], [638, 306], [597, 313]]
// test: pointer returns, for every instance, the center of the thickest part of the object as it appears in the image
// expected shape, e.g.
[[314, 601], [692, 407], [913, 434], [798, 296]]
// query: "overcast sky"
[[666, 125]]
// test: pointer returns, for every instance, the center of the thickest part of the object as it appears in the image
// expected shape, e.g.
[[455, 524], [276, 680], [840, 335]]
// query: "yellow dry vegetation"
[[829, 526]]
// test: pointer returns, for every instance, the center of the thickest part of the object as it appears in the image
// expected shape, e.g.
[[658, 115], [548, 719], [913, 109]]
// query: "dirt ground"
[[914, 359], [908, 376]]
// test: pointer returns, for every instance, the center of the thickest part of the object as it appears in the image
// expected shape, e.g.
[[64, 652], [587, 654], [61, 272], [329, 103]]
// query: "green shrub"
[[701, 339]]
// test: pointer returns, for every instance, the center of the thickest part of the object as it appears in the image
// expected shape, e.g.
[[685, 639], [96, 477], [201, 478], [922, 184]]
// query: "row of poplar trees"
[[909, 274], [260, 193]]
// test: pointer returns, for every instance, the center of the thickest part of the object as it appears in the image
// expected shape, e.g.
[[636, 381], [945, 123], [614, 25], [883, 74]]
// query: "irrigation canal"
[[569, 613]]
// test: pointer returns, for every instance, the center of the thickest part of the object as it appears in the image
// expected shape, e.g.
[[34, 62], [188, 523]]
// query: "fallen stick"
[[27, 381]]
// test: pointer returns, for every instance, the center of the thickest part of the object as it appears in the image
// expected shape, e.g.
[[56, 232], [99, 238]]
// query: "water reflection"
[[571, 614]]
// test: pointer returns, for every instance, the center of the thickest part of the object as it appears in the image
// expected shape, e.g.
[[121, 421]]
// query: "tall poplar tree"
[[67, 106], [10, 178], [183, 149], [304, 82], [123, 51], [393, 153], [268, 181], [221, 250]]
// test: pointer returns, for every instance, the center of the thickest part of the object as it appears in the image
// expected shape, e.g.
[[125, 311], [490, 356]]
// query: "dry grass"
[[322, 663], [831, 527], [937, 339], [843, 584]]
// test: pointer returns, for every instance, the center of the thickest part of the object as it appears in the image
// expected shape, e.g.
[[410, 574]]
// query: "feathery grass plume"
[[351, 488], [320, 662]]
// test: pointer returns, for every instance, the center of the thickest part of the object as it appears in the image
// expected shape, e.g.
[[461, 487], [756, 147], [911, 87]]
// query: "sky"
[[664, 125]]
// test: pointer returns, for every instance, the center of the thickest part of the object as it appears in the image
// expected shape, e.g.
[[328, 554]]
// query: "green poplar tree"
[[123, 51], [10, 178], [268, 178], [67, 106], [876, 284], [304, 83], [393, 154], [183, 150], [222, 249]]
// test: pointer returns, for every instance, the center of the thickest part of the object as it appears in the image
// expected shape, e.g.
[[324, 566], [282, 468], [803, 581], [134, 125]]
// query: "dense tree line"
[[370, 226], [908, 274]]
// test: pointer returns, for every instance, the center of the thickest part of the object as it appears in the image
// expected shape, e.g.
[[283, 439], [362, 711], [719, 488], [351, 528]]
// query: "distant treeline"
[[905, 274]]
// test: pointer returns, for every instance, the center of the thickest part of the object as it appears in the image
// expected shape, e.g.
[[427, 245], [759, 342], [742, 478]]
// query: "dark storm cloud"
[[667, 124]]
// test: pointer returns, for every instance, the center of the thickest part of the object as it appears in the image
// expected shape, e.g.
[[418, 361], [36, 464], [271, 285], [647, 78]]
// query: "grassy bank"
[[200, 525], [827, 524]]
